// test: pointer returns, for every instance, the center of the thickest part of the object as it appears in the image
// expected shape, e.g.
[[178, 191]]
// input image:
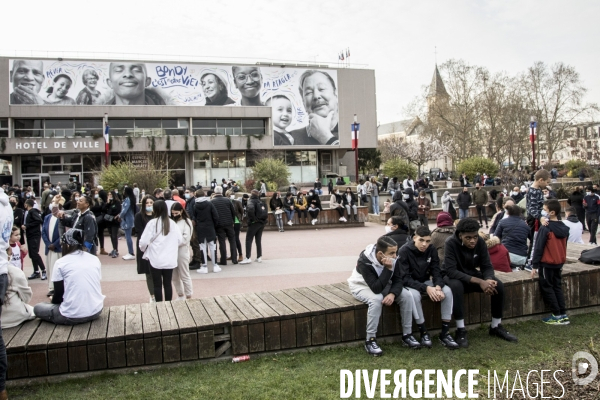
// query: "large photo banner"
[[304, 101]]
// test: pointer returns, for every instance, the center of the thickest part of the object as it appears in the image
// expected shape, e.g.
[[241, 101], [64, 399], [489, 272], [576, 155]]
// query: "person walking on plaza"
[[464, 201], [224, 226], [424, 207], [467, 268], [591, 205], [77, 295], [161, 233], [181, 275], [276, 206], [376, 281], [330, 187], [112, 208], [140, 222], [32, 226], [126, 217], [237, 226], [263, 188], [206, 219], [480, 198], [420, 269], [289, 208], [52, 231], [257, 217]]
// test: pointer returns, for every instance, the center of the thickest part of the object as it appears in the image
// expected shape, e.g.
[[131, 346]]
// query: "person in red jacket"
[[499, 255]]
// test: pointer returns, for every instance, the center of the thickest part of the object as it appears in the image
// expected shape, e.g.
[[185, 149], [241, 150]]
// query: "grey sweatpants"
[[51, 313], [373, 300], [446, 304]]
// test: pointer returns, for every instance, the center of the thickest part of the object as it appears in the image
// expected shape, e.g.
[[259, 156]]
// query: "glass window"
[[147, 123], [309, 158], [51, 168], [29, 123], [177, 161], [4, 123], [237, 159], [254, 131], [72, 159], [5, 165], [169, 123], [73, 168], [204, 123], [59, 124], [51, 159], [92, 162], [183, 123], [89, 124], [229, 123], [219, 159], [181, 131], [31, 164], [253, 123], [202, 156], [293, 158], [120, 124]]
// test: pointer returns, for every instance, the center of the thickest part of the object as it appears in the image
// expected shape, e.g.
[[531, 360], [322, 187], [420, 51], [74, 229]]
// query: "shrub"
[[271, 171], [117, 175], [471, 166], [399, 168], [574, 166]]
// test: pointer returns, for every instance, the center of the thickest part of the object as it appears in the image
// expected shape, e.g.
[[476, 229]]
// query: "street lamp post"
[[532, 135], [355, 127]]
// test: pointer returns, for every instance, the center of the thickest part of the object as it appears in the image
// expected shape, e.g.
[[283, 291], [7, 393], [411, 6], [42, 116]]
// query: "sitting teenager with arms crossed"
[[77, 295], [467, 268], [376, 281], [420, 269]]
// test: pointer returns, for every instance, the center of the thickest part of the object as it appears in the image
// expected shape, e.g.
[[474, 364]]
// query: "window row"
[[240, 159], [61, 128]]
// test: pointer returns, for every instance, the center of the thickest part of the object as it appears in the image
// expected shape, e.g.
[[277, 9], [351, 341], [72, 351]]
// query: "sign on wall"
[[304, 102]]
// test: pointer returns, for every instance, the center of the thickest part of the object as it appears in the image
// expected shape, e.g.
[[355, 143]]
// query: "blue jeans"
[[3, 360], [129, 241], [375, 201], [462, 213], [290, 214]]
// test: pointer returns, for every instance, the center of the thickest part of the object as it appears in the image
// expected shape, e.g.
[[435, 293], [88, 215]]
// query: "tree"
[[417, 152], [368, 160], [398, 168], [116, 175], [272, 171], [474, 165], [554, 95]]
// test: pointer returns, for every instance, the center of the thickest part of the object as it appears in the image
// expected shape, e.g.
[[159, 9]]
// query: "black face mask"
[[13, 204]]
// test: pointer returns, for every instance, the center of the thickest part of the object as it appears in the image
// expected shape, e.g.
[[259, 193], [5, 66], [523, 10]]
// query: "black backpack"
[[591, 256], [260, 210]]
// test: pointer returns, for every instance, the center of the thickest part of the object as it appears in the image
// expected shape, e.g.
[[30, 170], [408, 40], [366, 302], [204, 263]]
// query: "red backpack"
[[555, 251]]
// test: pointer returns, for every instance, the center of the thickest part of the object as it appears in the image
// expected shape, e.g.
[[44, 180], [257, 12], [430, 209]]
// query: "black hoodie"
[[413, 207], [461, 263], [560, 230], [418, 267]]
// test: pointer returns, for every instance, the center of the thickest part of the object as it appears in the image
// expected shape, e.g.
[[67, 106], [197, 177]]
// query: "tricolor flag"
[[355, 130], [342, 56], [348, 52], [106, 139], [533, 132]]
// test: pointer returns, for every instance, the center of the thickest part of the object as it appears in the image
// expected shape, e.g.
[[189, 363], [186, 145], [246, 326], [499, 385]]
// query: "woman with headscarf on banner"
[[319, 95], [215, 89], [89, 95]]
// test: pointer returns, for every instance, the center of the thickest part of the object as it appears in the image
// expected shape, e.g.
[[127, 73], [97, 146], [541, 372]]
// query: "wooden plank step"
[[133, 322], [199, 314], [39, 341], [343, 295], [306, 302], [218, 317], [116, 324], [276, 305], [99, 328], [9, 333], [150, 322], [267, 312], [326, 304], [235, 316], [19, 343], [183, 316], [79, 334], [166, 316], [252, 316], [60, 336], [339, 303], [298, 309]]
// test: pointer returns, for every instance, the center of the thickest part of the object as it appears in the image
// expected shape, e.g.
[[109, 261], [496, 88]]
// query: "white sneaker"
[[179, 298], [152, 300], [313, 221], [258, 260], [216, 268], [128, 257], [341, 219], [246, 261], [202, 270], [289, 223], [344, 219]]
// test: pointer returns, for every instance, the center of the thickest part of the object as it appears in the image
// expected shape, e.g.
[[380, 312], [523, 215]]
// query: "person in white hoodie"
[[575, 226], [376, 281], [160, 243], [181, 275], [6, 224]]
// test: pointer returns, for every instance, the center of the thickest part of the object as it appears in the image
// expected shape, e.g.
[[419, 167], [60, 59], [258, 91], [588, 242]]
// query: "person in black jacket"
[[399, 208], [32, 225], [314, 205], [224, 228], [84, 220], [18, 216], [111, 209], [576, 200], [237, 226], [140, 221], [190, 201], [206, 218], [349, 202], [464, 201], [420, 269], [591, 205], [257, 217], [397, 230], [376, 281], [467, 268], [276, 206]]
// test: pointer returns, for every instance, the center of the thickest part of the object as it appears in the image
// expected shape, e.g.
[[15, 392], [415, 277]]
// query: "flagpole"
[[106, 139]]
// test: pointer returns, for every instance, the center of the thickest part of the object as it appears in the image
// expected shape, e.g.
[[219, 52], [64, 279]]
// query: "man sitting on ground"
[[467, 268], [376, 281], [420, 268]]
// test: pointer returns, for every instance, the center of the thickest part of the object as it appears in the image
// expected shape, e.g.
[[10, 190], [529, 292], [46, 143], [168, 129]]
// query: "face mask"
[[28, 196], [143, 193], [388, 229], [187, 195], [587, 193], [422, 197], [76, 198], [232, 197], [116, 191], [149, 209], [176, 217], [13, 204], [405, 196], [544, 213], [96, 196]]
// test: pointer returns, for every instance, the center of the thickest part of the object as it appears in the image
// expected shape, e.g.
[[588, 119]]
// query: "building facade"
[[205, 121]]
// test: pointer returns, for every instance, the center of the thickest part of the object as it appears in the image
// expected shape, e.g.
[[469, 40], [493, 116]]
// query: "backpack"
[[555, 251], [401, 212], [260, 211], [591, 256]]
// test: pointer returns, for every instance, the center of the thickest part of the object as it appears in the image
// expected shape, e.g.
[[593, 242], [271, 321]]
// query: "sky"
[[396, 38]]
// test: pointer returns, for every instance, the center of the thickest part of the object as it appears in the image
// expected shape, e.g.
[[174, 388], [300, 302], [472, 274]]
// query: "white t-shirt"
[[15, 259], [81, 274], [575, 231]]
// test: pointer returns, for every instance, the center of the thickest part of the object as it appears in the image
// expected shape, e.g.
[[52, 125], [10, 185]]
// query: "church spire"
[[437, 87]]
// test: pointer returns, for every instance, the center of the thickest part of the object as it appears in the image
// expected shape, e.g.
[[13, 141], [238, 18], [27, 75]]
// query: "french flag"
[[533, 132], [355, 130], [106, 139]]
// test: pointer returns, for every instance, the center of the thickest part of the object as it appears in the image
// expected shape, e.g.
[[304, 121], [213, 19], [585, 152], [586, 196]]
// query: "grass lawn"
[[316, 374]]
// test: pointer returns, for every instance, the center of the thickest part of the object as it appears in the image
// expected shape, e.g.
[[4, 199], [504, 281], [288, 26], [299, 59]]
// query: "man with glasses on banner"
[[248, 80]]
